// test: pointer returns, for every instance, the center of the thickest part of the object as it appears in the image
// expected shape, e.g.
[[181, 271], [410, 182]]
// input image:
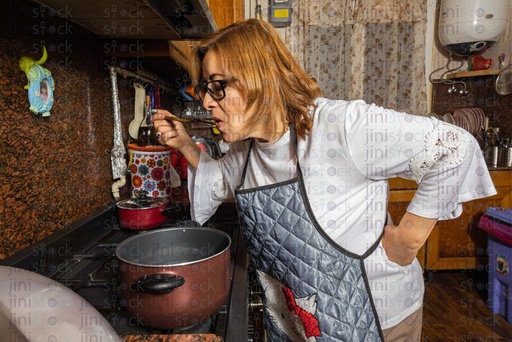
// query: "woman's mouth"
[[218, 122]]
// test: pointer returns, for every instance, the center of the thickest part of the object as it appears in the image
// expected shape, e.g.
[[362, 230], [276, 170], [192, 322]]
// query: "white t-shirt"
[[346, 160]]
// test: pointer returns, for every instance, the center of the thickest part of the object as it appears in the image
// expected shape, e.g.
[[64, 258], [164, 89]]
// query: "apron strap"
[[242, 180]]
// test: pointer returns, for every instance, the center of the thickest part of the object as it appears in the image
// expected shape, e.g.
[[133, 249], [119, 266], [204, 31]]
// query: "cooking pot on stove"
[[175, 277], [210, 146], [142, 213], [36, 308]]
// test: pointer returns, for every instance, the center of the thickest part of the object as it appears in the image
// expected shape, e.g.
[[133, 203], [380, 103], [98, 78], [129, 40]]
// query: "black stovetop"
[[82, 257]]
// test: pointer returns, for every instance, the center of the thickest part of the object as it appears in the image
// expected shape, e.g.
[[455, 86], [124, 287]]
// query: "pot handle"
[[159, 283], [170, 209]]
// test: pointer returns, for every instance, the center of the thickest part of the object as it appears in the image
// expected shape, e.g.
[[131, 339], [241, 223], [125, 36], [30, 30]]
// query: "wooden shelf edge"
[[460, 263], [474, 73]]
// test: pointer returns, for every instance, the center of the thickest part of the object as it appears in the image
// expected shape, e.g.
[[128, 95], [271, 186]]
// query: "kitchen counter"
[[499, 168]]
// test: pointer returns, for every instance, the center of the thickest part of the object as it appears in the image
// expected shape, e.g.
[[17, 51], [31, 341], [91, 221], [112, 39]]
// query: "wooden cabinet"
[[226, 12], [456, 244]]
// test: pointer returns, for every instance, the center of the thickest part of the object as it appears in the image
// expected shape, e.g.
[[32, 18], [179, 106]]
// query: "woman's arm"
[[403, 242]]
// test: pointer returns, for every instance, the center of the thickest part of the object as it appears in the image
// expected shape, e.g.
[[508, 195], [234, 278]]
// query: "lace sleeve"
[[444, 144]]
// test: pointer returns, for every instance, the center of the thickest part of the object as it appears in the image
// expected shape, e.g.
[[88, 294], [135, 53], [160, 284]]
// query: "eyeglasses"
[[215, 88]]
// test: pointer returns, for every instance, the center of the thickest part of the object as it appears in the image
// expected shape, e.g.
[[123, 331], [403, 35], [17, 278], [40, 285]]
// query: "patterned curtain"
[[364, 49]]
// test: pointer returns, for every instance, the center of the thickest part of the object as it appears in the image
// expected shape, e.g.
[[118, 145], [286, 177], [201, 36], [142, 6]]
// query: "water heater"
[[470, 27]]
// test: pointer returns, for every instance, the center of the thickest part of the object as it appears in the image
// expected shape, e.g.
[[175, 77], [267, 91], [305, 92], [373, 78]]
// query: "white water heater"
[[470, 27]]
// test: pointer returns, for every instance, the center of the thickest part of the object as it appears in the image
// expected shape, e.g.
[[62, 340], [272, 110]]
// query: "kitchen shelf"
[[463, 74]]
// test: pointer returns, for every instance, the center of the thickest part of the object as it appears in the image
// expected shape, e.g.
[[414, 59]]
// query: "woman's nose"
[[208, 101]]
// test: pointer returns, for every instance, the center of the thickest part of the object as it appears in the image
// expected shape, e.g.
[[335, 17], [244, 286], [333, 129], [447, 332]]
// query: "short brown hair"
[[268, 75]]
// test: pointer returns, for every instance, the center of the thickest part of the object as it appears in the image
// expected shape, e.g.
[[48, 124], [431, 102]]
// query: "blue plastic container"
[[497, 222]]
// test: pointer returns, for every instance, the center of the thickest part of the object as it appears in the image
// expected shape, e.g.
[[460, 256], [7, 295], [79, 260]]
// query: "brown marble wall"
[[57, 169], [481, 95]]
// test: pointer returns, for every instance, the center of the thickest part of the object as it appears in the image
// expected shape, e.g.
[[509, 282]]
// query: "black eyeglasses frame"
[[203, 87]]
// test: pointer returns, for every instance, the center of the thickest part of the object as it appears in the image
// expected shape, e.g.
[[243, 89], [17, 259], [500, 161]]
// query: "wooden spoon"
[[195, 119]]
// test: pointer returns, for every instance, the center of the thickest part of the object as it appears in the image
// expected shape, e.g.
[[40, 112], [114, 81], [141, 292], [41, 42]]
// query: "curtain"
[[364, 49]]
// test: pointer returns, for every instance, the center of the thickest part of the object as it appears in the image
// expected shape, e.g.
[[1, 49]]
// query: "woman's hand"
[[403, 242], [173, 134]]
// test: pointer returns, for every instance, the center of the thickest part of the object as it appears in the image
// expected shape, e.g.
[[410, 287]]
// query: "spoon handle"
[[202, 120]]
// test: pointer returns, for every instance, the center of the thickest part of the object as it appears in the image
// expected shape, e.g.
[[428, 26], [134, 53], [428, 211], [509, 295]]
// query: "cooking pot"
[[141, 213], [210, 146], [36, 308], [175, 277]]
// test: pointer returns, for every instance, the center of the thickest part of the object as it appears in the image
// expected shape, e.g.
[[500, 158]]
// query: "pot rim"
[[160, 231], [152, 202]]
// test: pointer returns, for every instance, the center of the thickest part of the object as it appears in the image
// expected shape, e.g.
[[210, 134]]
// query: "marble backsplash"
[[57, 169]]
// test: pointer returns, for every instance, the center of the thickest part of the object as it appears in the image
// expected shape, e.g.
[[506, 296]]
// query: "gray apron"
[[314, 290]]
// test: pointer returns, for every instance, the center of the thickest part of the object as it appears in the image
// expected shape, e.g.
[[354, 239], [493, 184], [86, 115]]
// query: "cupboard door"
[[226, 12], [459, 244], [454, 244]]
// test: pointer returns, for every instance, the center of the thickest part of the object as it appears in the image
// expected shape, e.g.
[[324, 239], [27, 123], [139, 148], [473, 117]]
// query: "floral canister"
[[150, 170]]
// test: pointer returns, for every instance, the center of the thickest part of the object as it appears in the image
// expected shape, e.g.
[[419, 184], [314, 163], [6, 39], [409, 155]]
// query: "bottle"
[[145, 137]]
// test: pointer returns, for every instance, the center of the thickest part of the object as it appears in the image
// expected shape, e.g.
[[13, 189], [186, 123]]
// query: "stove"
[[82, 257]]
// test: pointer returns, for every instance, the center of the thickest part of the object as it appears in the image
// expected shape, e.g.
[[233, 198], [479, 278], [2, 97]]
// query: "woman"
[[310, 180]]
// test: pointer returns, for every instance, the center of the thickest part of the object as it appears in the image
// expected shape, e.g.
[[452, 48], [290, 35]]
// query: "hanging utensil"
[[503, 83], [151, 93], [133, 128], [485, 137]]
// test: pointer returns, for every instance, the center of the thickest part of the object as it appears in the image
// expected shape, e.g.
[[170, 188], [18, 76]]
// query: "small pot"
[[142, 213], [175, 277]]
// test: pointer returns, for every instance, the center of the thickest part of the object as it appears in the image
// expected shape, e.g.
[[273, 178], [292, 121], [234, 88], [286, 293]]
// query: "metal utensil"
[[485, 137], [503, 83]]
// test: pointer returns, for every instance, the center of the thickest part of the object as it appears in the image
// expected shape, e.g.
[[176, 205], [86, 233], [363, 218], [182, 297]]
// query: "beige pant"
[[409, 330]]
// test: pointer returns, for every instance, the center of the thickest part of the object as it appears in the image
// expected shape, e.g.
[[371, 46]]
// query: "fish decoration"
[[40, 84]]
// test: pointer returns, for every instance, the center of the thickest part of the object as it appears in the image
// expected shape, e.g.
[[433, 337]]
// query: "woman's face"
[[230, 112]]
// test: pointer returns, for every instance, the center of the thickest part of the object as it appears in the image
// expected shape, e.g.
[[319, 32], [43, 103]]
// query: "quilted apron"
[[314, 290]]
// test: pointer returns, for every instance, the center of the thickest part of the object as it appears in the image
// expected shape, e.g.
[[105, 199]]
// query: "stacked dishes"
[[448, 117], [470, 119]]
